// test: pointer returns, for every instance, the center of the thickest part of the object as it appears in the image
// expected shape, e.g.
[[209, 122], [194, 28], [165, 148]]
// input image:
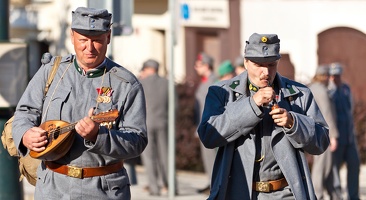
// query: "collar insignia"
[[252, 87], [234, 84], [290, 89]]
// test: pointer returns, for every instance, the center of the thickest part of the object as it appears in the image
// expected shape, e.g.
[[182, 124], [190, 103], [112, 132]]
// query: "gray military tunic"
[[69, 98], [155, 157], [266, 167]]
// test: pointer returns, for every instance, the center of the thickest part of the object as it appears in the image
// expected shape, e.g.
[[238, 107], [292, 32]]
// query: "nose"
[[265, 70], [89, 45]]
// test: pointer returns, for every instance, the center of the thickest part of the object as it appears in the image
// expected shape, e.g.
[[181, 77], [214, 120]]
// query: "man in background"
[[204, 69], [346, 152], [239, 65], [155, 156], [226, 70]]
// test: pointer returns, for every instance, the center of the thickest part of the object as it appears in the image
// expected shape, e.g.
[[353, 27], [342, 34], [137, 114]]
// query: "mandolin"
[[61, 135]]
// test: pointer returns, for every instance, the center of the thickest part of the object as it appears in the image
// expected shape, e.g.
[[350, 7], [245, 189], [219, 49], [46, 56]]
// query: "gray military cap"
[[322, 70], [335, 69], [239, 61], [206, 59], [262, 48], [151, 63], [91, 21]]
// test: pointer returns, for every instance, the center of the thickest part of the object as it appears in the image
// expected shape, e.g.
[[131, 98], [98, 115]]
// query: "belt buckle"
[[75, 172], [262, 186]]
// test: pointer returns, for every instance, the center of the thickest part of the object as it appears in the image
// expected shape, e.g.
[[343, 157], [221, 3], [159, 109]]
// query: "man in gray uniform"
[[86, 85], [155, 157], [262, 149], [239, 65], [204, 68], [340, 94]]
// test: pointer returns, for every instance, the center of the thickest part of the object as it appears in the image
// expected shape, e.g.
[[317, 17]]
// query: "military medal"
[[106, 99], [100, 99], [104, 94]]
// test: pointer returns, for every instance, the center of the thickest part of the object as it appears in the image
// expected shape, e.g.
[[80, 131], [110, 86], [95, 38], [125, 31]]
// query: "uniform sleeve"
[[310, 132], [29, 108], [224, 121]]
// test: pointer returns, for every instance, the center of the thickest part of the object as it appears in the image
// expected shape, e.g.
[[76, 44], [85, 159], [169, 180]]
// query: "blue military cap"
[[262, 48], [91, 21], [336, 69]]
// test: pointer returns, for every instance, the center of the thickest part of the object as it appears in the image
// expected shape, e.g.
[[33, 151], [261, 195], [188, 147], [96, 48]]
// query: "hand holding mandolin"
[[87, 128], [35, 139]]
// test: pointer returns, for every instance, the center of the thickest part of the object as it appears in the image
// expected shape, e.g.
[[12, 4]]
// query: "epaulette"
[[68, 58], [47, 58], [123, 74]]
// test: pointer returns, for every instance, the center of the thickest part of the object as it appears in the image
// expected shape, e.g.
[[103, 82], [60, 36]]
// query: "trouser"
[[349, 154], [155, 160]]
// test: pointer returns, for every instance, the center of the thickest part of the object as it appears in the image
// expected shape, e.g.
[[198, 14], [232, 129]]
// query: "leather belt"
[[269, 186], [78, 172]]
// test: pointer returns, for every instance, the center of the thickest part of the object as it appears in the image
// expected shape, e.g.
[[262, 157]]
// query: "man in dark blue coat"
[[261, 146]]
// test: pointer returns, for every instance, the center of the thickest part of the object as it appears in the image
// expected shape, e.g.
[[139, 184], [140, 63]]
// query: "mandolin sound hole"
[[56, 132]]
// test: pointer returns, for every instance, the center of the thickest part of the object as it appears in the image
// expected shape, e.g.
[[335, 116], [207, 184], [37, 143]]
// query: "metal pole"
[[171, 128], [110, 46], [10, 188], [4, 20]]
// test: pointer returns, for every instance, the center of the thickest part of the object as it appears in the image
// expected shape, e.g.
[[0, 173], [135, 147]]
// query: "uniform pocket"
[[61, 94], [116, 184], [56, 100]]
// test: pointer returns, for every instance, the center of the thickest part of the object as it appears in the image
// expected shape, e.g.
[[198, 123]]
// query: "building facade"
[[311, 33]]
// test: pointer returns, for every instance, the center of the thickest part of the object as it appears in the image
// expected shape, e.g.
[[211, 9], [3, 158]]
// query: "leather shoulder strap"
[[52, 74]]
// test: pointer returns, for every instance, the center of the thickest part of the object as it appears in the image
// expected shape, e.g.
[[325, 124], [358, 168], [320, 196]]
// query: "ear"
[[72, 36], [109, 36], [246, 61]]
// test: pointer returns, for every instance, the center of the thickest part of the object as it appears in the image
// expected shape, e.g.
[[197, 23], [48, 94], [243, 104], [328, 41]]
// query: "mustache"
[[264, 77]]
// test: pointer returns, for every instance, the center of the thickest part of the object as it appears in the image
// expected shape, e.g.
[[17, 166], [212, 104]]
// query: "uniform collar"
[[92, 73], [287, 87], [251, 86]]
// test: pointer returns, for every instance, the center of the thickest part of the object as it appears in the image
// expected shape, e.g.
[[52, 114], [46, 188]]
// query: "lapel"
[[238, 85], [287, 93]]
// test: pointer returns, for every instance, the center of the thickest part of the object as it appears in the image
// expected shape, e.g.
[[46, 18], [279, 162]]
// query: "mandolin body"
[[59, 140]]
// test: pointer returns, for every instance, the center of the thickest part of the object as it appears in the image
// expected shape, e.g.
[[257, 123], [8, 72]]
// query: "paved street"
[[188, 183]]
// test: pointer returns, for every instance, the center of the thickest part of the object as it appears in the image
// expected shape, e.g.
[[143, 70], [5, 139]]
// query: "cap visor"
[[89, 32], [263, 59]]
